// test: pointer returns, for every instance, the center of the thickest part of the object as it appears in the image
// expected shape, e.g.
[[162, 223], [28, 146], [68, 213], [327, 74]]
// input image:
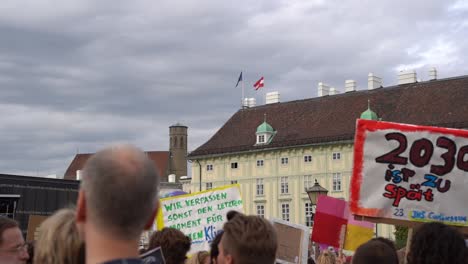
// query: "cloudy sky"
[[79, 75]]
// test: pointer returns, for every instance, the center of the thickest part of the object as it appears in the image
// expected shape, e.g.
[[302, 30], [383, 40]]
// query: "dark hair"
[[214, 250], [231, 214], [249, 240], [174, 244], [6, 223], [437, 243], [375, 251], [386, 241]]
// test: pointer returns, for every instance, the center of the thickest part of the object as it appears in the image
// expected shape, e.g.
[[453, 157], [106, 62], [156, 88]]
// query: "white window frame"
[[308, 181], [309, 214], [261, 139], [284, 161], [234, 165], [285, 211], [308, 158], [260, 208], [284, 185], [337, 182], [260, 187], [336, 155], [209, 167], [209, 185], [260, 163]]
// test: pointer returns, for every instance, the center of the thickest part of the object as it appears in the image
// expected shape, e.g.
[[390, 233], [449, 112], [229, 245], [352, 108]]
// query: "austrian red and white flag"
[[259, 84]]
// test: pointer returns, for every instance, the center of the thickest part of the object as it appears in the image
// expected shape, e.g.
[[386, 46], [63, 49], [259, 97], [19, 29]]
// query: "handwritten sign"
[[293, 241], [200, 215], [413, 173]]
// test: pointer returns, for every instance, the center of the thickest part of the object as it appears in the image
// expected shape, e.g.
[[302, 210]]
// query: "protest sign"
[[200, 215], [410, 173], [293, 242], [329, 219], [154, 256], [335, 226]]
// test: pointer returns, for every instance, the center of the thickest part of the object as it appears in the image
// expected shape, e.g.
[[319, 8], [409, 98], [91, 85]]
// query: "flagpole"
[[242, 101]]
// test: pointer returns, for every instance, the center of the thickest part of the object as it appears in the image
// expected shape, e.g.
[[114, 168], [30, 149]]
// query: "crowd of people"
[[118, 200]]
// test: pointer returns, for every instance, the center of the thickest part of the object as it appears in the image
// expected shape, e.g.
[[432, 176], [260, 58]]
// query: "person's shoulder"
[[124, 261]]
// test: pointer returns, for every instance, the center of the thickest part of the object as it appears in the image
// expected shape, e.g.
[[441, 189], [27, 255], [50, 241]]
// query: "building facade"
[[275, 151]]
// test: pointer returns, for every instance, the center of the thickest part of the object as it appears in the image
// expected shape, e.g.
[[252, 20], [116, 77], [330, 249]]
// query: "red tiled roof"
[[160, 158], [332, 118]]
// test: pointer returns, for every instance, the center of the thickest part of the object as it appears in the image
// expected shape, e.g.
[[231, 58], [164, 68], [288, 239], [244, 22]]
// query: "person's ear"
[[150, 222], [81, 207], [229, 259]]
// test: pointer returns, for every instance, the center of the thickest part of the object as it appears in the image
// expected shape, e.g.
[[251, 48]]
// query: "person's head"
[[231, 214], [174, 244], [387, 241], [326, 257], [437, 243], [119, 193], [58, 240], [201, 257], [375, 251], [248, 240], [13, 249], [214, 250]]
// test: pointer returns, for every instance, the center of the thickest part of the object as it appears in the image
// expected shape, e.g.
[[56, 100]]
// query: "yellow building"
[[275, 151]]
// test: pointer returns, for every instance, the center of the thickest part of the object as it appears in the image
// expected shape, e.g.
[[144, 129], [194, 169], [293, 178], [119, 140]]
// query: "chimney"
[[249, 102], [433, 73], [78, 175], [272, 97], [334, 91], [323, 89], [252, 102], [405, 77], [350, 86], [373, 81]]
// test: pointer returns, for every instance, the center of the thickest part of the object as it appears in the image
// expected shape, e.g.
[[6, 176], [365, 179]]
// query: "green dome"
[[265, 128], [369, 115]]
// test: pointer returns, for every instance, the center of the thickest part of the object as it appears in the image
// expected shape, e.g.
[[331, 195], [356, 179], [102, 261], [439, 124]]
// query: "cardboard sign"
[[200, 215], [293, 242], [34, 222], [411, 173], [330, 217], [154, 256]]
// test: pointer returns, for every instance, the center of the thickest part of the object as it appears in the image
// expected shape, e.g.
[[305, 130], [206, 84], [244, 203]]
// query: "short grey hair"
[[121, 187]]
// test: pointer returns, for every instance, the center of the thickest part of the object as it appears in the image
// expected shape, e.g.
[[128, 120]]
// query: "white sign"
[[408, 172], [200, 215]]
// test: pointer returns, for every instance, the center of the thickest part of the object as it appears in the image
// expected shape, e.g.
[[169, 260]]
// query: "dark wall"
[[39, 196]]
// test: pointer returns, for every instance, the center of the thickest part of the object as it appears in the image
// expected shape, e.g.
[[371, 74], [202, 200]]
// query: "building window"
[[259, 163], [259, 186], [234, 165], [285, 211], [261, 210], [284, 185], [337, 181], [308, 158], [209, 167], [234, 182], [309, 215], [209, 185], [261, 139], [308, 181], [284, 161], [336, 155]]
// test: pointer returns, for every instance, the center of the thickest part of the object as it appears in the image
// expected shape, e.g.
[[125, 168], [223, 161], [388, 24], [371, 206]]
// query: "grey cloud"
[[84, 74]]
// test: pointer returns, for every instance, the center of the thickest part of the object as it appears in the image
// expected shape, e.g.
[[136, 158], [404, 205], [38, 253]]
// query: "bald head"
[[120, 184]]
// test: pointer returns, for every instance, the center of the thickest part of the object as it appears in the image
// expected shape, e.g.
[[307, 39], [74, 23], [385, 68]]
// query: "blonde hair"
[[198, 258], [326, 257], [59, 240]]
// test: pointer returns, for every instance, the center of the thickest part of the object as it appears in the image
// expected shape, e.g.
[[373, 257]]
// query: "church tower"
[[178, 150]]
